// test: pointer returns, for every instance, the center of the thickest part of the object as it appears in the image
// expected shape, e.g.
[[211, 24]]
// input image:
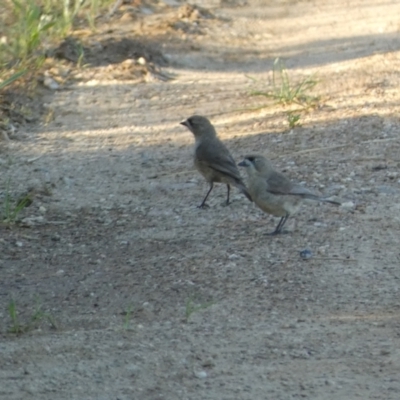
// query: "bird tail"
[[330, 201], [243, 189], [310, 196]]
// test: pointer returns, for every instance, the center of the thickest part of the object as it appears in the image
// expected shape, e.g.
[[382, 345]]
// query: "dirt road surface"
[[154, 298]]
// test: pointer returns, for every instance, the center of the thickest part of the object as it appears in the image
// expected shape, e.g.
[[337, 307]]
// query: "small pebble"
[[348, 205], [306, 254], [50, 83], [200, 374]]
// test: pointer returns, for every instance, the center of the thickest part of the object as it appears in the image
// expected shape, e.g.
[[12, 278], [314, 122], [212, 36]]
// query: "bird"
[[212, 159], [273, 192]]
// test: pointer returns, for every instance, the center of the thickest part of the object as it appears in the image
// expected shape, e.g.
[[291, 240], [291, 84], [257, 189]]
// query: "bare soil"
[[114, 249]]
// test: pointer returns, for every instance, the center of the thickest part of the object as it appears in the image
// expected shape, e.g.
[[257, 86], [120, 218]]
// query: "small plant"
[[293, 119], [284, 91], [191, 307], [11, 209], [34, 24], [29, 28], [37, 317], [16, 327], [127, 319], [81, 52], [12, 78]]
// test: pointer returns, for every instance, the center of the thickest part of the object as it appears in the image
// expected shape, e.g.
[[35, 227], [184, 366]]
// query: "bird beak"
[[185, 123], [243, 164]]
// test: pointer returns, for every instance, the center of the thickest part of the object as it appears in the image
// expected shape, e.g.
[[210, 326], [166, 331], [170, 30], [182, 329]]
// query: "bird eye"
[[251, 159]]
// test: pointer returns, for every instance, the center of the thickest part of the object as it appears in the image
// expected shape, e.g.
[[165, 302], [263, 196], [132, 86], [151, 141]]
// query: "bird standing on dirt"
[[211, 158], [273, 192]]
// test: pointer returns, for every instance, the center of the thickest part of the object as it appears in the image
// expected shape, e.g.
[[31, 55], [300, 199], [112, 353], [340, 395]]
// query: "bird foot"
[[203, 206]]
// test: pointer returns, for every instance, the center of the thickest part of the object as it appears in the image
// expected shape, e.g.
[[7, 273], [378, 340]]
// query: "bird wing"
[[218, 158], [277, 183]]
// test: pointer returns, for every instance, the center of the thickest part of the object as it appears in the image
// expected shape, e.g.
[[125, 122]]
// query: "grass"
[[35, 319], [29, 27], [293, 119], [127, 319], [192, 307], [286, 91], [28, 30], [11, 79], [12, 208]]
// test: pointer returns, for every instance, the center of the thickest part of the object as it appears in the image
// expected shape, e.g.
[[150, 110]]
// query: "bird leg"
[[279, 227], [203, 204], [227, 199]]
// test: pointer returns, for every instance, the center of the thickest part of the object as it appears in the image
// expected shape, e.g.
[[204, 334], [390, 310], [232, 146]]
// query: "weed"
[[191, 307], [284, 91], [12, 312], [34, 321], [11, 209], [127, 319], [30, 24], [293, 119], [39, 315], [29, 27], [12, 78], [81, 52]]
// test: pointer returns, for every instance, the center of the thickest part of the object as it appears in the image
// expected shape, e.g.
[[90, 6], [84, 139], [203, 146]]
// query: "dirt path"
[[118, 253]]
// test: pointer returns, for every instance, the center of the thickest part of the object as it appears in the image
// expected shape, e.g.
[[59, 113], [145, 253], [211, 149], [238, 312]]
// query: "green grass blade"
[[12, 78]]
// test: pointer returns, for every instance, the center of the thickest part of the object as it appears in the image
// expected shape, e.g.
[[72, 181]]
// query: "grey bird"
[[212, 159], [273, 192]]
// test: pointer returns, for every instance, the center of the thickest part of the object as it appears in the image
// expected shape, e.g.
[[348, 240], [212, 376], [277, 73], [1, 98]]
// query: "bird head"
[[199, 126], [255, 163]]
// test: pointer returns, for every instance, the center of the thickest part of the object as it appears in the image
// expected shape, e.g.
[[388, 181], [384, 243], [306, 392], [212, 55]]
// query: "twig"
[[114, 8], [31, 160]]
